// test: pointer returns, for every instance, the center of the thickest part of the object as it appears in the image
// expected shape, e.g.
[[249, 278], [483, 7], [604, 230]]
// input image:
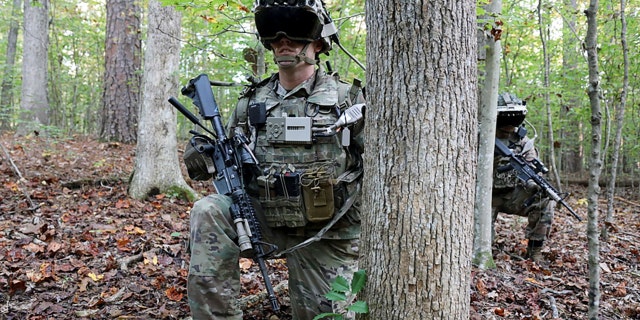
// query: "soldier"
[[306, 193], [510, 195]]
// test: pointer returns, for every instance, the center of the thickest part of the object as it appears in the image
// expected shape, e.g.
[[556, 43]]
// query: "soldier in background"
[[510, 194], [307, 187]]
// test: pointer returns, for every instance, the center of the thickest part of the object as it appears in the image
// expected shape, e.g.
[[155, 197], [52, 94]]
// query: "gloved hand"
[[531, 186]]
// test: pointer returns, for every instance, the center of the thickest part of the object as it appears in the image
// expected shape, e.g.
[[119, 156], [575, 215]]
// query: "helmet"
[[511, 110], [298, 20]]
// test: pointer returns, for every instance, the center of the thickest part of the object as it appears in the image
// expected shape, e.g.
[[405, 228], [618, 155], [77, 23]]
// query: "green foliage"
[[76, 64], [342, 291]]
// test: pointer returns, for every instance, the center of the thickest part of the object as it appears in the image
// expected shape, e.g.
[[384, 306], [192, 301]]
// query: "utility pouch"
[[317, 192], [257, 114]]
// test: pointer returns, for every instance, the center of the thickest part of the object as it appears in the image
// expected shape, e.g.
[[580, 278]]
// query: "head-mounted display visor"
[[511, 115], [296, 23]]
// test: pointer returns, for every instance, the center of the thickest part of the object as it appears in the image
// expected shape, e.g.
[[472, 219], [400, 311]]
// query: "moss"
[[184, 193], [484, 260]]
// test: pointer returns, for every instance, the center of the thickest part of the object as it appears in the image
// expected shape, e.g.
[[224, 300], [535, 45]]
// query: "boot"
[[534, 250]]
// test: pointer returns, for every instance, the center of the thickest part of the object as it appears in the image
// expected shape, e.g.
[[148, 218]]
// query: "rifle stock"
[[229, 156], [525, 173]]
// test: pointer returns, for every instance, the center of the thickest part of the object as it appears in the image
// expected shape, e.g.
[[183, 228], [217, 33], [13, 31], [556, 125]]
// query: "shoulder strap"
[[347, 96]]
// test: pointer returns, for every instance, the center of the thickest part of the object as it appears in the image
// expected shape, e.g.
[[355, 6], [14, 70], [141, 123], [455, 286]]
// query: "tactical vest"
[[301, 171]]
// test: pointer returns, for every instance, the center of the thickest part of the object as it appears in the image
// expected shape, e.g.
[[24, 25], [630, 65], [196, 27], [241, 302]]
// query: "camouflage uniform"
[[510, 194], [214, 275]]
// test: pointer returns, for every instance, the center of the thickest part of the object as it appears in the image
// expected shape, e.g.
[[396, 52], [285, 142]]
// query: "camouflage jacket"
[[299, 182], [508, 180]]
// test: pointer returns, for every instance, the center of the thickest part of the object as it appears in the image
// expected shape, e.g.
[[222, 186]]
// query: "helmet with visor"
[[511, 110], [299, 20]]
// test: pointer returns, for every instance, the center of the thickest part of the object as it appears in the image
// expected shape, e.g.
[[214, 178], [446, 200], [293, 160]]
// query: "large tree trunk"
[[487, 114], [121, 93], [6, 97], [595, 160], [157, 168], [420, 158], [35, 103]]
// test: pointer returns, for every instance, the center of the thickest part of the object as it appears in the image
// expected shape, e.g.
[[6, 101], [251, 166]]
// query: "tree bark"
[[420, 158], [121, 95], [157, 169], [617, 144], [487, 115], [595, 160], [34, 100]]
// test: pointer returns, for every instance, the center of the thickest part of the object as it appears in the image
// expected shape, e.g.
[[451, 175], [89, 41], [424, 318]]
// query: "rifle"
[[525, 173], [230, 157]]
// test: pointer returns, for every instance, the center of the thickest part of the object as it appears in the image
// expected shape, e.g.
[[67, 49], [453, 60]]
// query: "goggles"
[[510, 118], [299, 3], [295, 23]]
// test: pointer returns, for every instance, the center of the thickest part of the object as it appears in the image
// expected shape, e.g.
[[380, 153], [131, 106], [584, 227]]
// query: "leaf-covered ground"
[[73, 246]]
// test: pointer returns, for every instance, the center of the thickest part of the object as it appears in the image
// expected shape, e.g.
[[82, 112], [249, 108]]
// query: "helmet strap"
[[302, 56]]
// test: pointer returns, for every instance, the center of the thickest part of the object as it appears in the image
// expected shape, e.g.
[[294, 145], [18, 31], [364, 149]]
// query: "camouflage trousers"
[[213, 284], [539, 212]]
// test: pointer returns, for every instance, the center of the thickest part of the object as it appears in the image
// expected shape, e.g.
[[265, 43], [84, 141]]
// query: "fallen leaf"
[[604, 267], [174, 294], [95, 277], [245, 264]]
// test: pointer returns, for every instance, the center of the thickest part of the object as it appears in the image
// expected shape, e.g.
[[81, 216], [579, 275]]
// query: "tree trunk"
[[121, 93], [619, 123], [35, 103], [487, 114], [420, 158], [571, 139], [544, 36], [6, 97], [157, 169], [595, 161]]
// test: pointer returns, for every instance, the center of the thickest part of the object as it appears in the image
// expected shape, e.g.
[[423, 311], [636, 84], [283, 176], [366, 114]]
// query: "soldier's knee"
[[214, 204]]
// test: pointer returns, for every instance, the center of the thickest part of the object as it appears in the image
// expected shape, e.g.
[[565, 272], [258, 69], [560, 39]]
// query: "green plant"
[[344, 294]]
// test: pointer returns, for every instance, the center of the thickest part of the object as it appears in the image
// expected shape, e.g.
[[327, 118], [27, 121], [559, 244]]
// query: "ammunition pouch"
[[296, 198]]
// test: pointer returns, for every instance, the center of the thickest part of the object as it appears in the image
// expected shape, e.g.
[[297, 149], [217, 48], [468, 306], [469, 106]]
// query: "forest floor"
[[74, 246]]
